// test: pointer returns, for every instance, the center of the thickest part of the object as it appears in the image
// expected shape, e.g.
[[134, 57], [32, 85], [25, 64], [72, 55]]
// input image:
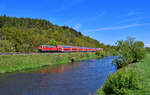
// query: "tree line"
[[26, 34]]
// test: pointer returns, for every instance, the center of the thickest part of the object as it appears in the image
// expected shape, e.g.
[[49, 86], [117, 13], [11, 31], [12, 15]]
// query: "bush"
[[148, 49], [139, 51], [6, 46], [120, 83], [129, 51], [97, 53], [53, 42], [100, 53]]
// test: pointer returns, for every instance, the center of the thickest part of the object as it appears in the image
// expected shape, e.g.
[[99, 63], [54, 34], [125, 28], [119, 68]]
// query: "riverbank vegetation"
[[131, 80], [127, 78], [11, 63], [121, 82], [129, 51], [148, 49], [144, 73]]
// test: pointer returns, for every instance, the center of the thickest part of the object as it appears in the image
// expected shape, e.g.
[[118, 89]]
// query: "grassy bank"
[[144, 72], [133, 79], [11, 63]]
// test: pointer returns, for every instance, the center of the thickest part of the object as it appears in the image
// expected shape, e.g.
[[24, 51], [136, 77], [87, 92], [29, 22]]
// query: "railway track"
[[18, 53]]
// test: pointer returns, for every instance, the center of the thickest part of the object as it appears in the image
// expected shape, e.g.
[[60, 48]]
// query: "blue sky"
[[104, 20]]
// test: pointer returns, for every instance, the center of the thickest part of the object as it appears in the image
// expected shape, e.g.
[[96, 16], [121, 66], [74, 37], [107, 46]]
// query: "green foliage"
[[1, 22], [139, 51], [129, 51], [126, 79], [148, 49], [53, 42], [120, 83], [5, 46], [144, 73], [100, 53], [27, 34]]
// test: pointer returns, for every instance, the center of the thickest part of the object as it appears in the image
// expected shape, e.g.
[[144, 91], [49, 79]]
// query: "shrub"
[[6, 46], [120, 83], [100, 53], [139, 51], [148, 49], [97, 53], [129, 51], [53, 42]]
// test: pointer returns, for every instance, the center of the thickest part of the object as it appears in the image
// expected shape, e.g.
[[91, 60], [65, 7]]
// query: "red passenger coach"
[[67, 48], [47, 48], [99, 49], [93, 49], [59, 48], [80, 49], [85, 49], [74, 49]]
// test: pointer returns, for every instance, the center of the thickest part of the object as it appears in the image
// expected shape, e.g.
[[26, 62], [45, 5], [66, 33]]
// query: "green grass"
[[120, 82], [11, 63], [144, 72]]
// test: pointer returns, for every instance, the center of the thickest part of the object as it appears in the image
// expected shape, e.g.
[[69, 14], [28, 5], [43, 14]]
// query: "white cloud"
[[133, 13], [130, 14], [147, 45], [77, 26], [114, 28], [135, 19]]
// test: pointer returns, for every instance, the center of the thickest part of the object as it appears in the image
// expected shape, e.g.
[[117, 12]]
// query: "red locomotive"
[[59, 48]]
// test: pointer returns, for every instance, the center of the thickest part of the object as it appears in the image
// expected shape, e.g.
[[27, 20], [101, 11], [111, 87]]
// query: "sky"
[[104, 20]]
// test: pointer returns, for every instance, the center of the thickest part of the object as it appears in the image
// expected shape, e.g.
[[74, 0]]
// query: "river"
[[78, 78]]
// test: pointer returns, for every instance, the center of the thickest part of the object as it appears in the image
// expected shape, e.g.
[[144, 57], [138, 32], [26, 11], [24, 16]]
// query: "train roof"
[[47, 46], [67, 46]]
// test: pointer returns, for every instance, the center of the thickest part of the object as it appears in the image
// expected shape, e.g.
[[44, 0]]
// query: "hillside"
[[26, 34]]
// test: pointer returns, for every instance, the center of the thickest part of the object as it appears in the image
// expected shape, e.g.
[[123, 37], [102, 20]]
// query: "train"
[[60, 48]]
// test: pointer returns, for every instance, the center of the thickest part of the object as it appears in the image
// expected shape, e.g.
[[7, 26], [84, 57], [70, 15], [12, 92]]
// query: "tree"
[[139, 51], [1, 22], [6, 46], [26, 34], [147, 49], [53, 42], [129, 51]]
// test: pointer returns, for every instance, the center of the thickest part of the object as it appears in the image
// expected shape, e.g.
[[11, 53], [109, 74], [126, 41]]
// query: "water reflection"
[[79, 78], [59, 68]]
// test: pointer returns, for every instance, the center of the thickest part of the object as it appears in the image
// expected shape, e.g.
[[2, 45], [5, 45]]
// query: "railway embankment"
[[12, 63]]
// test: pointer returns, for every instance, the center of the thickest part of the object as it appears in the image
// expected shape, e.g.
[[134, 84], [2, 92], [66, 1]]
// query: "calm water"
[[79, 78]]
